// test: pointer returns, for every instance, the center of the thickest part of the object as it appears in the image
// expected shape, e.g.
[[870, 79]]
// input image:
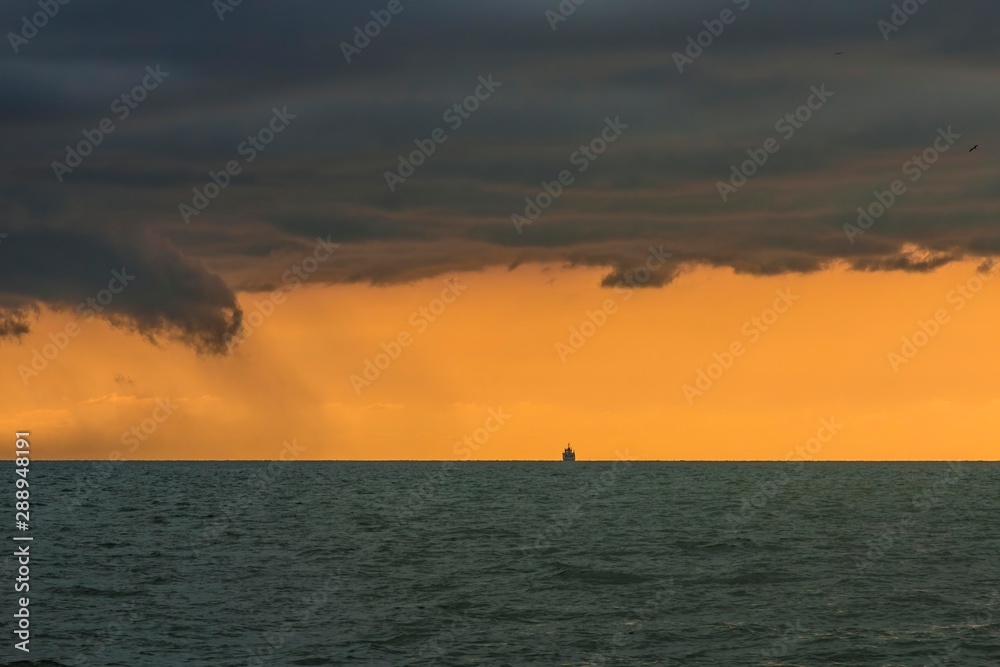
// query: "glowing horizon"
[[623, 390]]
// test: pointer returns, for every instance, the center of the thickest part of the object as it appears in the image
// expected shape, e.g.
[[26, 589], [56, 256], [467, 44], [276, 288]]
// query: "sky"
[[737, 229]]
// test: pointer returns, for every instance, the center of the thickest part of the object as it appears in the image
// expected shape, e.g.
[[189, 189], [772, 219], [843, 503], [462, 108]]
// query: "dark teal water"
[[148, 564]]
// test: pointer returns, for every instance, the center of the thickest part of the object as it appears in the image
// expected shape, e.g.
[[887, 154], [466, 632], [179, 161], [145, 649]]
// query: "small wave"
[[756, 578], [609, 577], [79, 589]]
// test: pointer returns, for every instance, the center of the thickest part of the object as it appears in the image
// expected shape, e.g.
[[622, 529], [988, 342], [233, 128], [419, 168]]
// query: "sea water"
[[587, 563]]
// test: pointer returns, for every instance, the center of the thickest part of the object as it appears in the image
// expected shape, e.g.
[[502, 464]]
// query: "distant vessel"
[[569, 454]]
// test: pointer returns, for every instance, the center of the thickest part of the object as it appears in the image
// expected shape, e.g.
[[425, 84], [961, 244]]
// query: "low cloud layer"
[[138, 282]]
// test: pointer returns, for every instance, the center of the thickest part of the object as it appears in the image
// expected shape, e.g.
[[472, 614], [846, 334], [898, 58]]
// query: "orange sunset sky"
[[495, 348]]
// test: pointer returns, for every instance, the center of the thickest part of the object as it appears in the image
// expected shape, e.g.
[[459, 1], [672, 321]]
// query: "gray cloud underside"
[[324, 175], [137, 282]]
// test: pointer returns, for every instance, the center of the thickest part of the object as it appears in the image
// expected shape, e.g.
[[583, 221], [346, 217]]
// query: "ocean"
[[511, 563]]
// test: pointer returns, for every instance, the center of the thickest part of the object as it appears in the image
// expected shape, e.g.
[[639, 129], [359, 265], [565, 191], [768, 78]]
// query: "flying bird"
[[839, 53], [974, 148]]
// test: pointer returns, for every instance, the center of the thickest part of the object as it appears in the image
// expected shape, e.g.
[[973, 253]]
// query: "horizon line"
[[517, 461]]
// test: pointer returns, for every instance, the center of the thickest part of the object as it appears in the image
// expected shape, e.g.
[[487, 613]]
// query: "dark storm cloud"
[[324, 176], [134, 281]]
